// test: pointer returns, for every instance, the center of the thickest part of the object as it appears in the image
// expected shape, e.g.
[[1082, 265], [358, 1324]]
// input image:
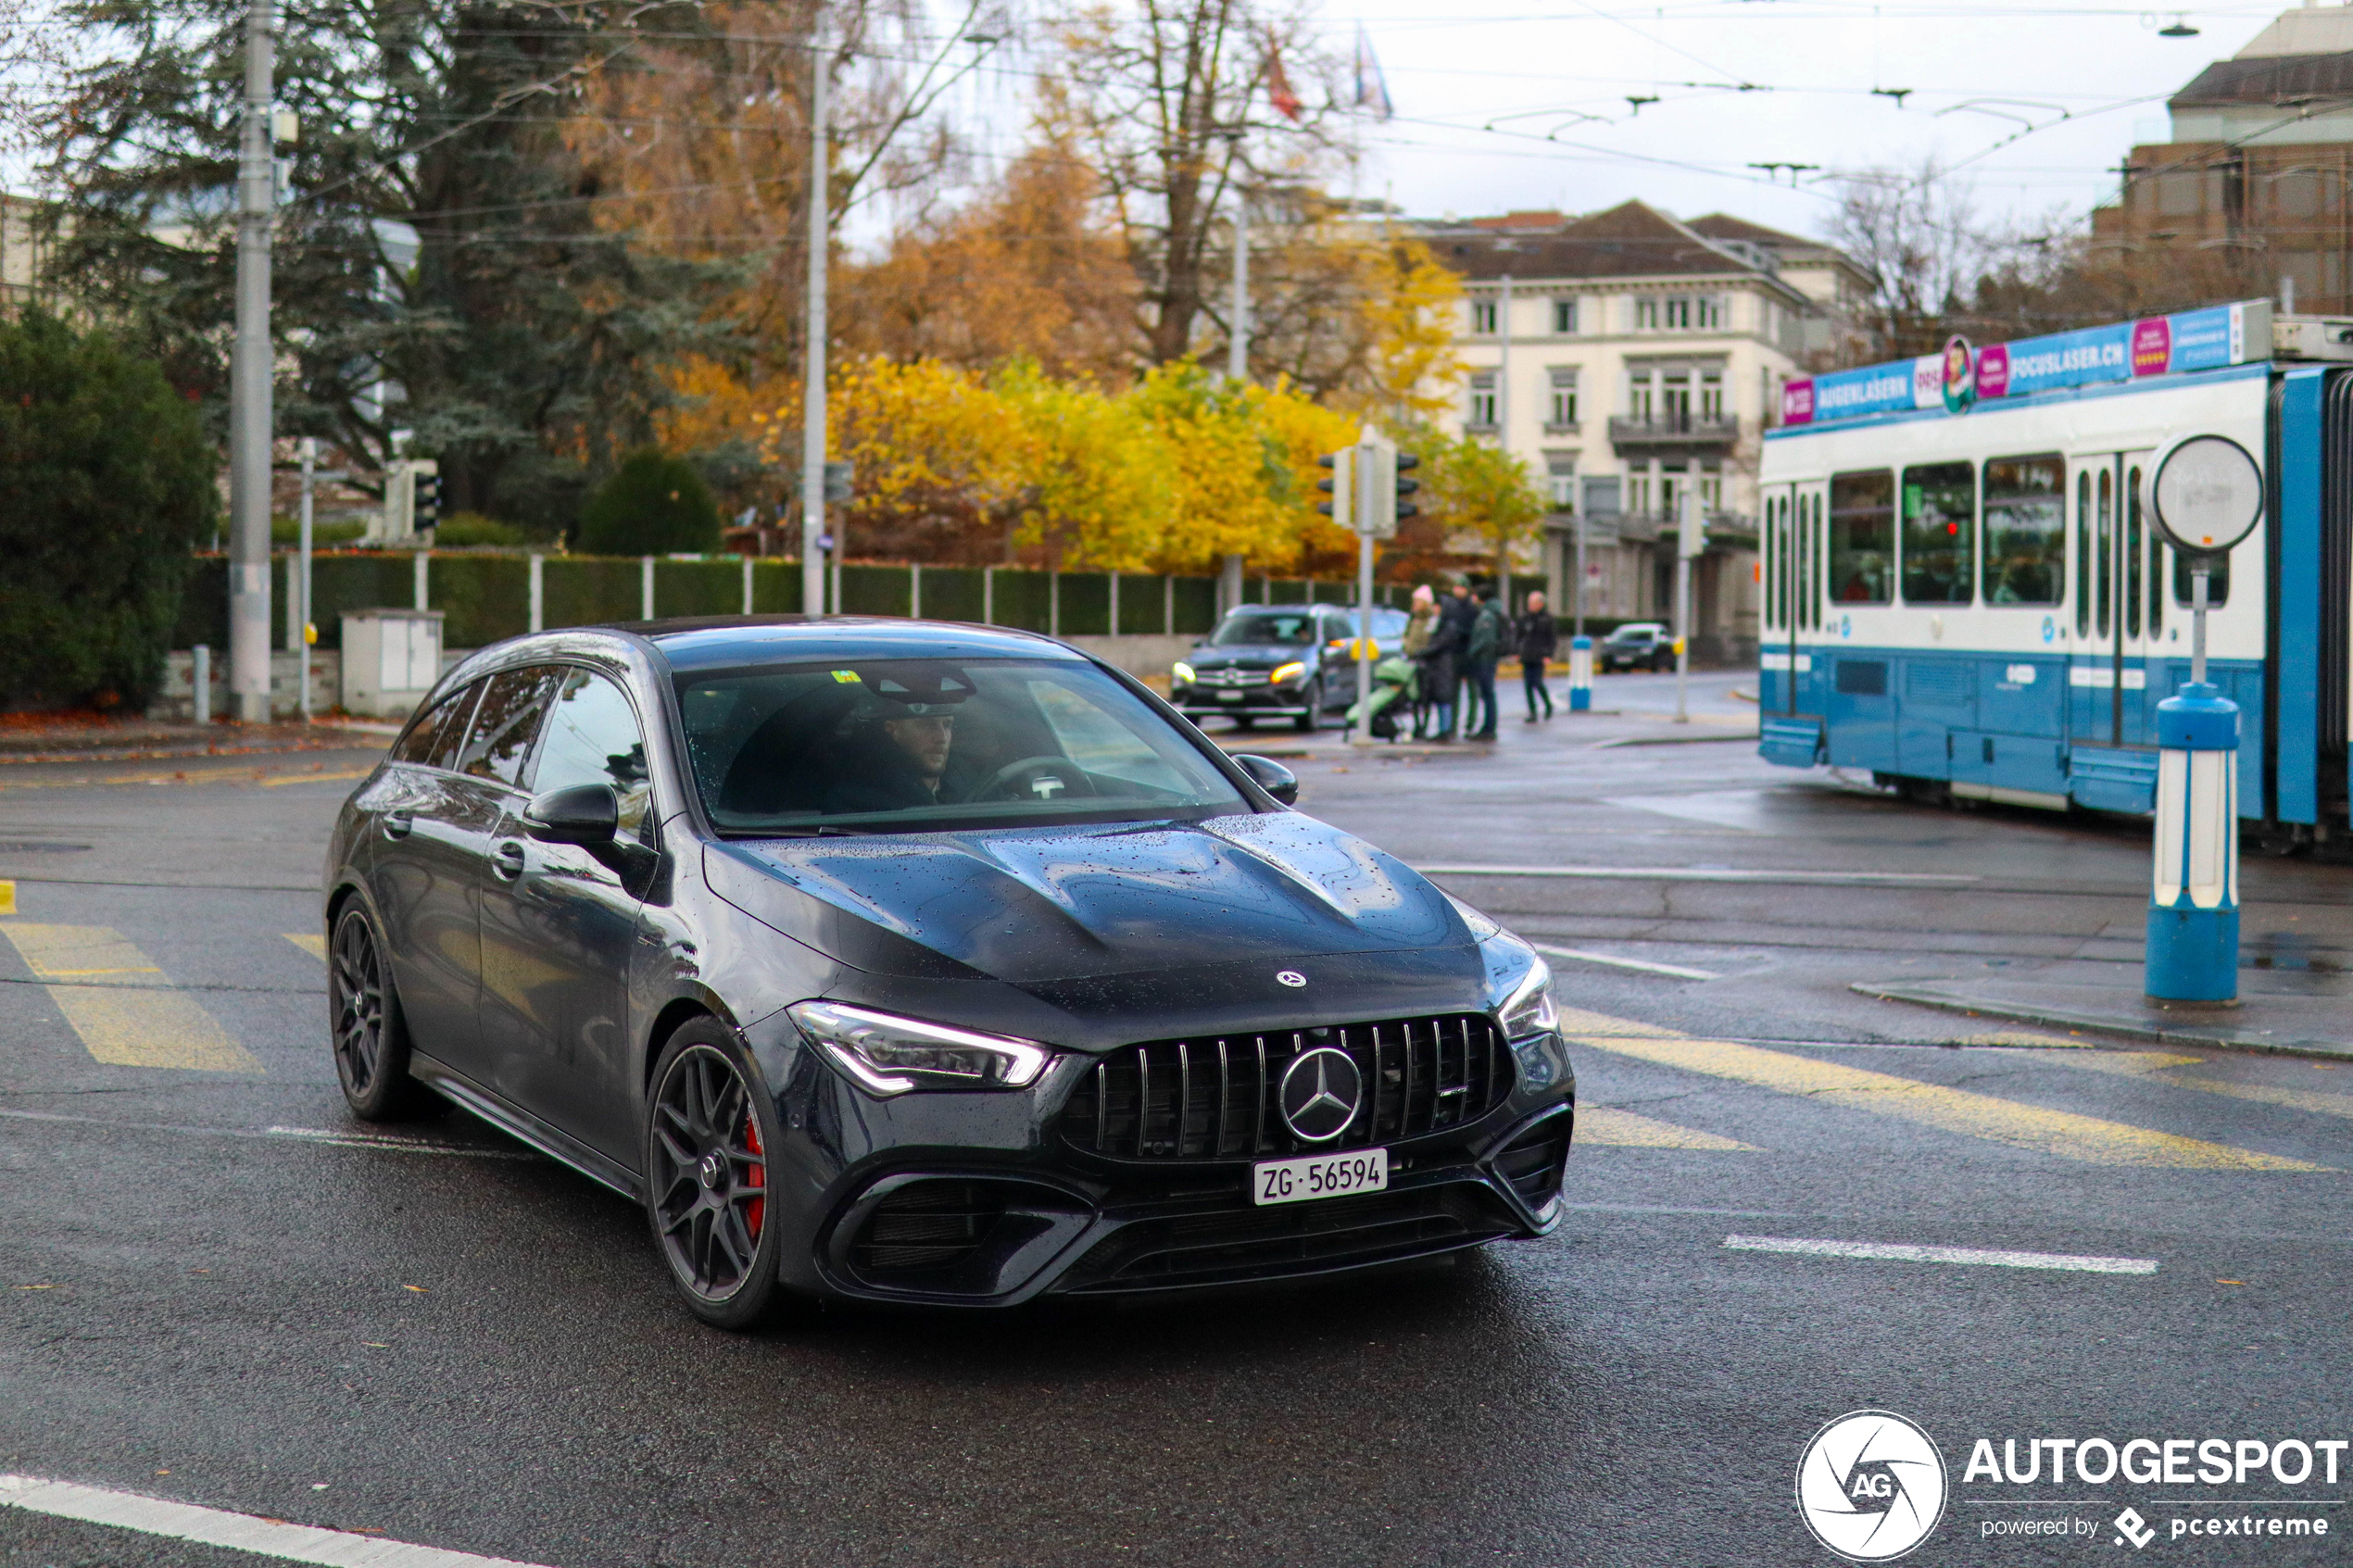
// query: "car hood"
[[1075, 903]]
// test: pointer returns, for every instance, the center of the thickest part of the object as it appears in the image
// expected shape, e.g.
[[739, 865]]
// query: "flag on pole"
[[1279, 91], [1372, 88]]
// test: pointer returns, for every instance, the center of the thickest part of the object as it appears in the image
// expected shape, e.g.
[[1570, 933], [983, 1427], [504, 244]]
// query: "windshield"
[[916, 745], [1290, 628], [1634, 634]]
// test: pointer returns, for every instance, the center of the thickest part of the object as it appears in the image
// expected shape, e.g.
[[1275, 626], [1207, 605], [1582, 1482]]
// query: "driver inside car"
[[897, 750]]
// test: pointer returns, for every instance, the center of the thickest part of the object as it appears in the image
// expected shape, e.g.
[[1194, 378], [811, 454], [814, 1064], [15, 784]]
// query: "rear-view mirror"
[[1270, 776], [582, 814]]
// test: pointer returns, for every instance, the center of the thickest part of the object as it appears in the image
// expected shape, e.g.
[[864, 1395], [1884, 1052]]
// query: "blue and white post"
[[2194, 897], [1581, 673]]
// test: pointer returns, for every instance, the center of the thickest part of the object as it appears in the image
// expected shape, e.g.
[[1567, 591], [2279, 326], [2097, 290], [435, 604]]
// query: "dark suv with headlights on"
[[926, 964], [1278, 662], [1639, 645]]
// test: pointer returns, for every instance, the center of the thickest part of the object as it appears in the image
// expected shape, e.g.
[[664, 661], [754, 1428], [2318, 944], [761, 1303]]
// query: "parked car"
[[926, 964], [1638, 644], [1276, 661]]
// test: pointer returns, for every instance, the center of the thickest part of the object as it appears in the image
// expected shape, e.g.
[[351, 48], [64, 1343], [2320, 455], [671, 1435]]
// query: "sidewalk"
[[2283, 1012], [29, 737]]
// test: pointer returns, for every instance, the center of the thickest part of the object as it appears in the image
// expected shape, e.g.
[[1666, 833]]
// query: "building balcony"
[[1679, 433]]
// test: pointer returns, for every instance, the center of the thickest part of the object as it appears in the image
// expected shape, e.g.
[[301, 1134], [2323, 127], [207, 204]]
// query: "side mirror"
[[586, 814], [1270, 776]]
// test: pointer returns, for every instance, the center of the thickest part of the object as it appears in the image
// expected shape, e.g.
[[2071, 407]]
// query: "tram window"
[[2025, 531], [2132, 553], [1767, 574], [1940, 533], [2105, 536], [2082, 555], [1862, 536], [2157, 583], [2217, 585]]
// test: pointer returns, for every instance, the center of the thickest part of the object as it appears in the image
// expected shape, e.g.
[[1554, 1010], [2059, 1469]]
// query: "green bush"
[[287, 531], [653, 505], [467, 529], [111, 485]]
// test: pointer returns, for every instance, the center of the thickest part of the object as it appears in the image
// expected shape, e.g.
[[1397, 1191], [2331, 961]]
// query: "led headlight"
[[1528, 1009], [1291, 672], [1181, 672], [888, 1055]]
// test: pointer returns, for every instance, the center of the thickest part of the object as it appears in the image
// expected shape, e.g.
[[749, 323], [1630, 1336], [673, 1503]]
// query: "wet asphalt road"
[[456, 1343]]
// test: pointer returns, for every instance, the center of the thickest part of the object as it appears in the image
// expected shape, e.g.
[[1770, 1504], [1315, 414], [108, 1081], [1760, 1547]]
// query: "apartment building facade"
[[1628, 359]]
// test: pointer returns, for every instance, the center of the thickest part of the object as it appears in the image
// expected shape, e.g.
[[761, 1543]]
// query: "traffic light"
[[1407, 486], [1343, 464], [838, 478], [428, 512]]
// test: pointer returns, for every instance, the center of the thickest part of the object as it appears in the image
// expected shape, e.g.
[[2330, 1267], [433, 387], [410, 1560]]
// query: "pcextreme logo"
[[1870, 1485]]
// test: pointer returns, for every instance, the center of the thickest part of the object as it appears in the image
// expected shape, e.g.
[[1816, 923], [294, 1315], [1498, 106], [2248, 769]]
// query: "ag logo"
[[1870, 1485]]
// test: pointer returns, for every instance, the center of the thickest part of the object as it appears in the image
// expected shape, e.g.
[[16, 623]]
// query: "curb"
[[2211, 1039]]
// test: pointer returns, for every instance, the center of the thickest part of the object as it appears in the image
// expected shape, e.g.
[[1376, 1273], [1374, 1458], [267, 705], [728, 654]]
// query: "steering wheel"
[[1036, 778]]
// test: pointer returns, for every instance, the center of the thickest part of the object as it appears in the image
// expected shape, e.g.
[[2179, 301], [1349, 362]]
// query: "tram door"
[[1776, 603], [2119, 601]]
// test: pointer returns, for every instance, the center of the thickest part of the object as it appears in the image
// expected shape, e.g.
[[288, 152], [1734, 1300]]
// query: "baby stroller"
[[1397, 683]]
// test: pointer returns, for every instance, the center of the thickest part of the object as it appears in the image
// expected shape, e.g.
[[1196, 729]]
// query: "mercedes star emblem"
[[1290, 977], [1320, 1093]]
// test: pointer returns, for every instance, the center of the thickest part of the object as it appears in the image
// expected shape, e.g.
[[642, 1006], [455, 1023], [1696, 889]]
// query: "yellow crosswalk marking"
[[2062, 1133], [122, 1020], [2315, 1100], [309, 942], [341, 777], [1625, 1129]]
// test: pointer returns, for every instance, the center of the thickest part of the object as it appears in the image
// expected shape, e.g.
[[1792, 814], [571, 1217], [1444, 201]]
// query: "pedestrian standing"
[[1421, 624], [1441, 661], [1536, 635], [1486, 647]]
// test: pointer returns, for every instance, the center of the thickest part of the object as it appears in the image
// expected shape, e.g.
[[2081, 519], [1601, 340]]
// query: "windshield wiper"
[[808, 829]]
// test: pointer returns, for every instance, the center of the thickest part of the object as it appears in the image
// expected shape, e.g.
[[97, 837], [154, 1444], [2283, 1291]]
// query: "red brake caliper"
[[758, 1177]]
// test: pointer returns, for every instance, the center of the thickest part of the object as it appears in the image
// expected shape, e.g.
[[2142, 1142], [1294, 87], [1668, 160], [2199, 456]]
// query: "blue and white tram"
[[1967, 599]]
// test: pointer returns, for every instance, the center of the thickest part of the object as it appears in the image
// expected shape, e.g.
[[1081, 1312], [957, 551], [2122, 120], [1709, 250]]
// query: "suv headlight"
[[887, 1055], [1181, 672], [1286, 673], [1528, 1009]]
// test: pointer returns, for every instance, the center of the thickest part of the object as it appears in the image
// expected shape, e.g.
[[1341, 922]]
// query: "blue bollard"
[[1580, 675], [2194, 896]]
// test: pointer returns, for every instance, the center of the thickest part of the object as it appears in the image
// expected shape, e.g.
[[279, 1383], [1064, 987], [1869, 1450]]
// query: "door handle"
[[507, 859], [397, 822]]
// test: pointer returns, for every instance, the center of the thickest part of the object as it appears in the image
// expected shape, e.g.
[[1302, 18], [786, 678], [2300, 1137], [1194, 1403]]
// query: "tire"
[[365, 1028], [1313, 720], [710, 1119]]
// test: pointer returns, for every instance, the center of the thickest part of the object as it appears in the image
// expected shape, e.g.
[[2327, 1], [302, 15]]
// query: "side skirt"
[[562, 1147]]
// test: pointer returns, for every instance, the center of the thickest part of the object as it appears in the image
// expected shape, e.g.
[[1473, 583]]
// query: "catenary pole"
[[812, 420], [250, 368], [299, 613], [1229, 580]]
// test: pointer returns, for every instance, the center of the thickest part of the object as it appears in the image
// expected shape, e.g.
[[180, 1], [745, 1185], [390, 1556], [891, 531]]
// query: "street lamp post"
[[249, 371], [812, 396]]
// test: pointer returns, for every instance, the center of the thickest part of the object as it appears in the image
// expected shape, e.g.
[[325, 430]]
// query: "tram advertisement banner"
[[2192, 340]]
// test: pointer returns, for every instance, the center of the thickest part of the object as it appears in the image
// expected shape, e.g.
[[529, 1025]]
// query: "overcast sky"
[[1978, 74]]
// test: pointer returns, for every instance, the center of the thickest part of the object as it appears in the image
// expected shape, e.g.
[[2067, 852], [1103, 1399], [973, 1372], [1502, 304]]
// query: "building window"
[[1560, 472], [1675, 398], [1638, 493], [1483, 317], [1680, 313], [1711, 491], [1564, 409], [1482, 400], [1641, 397], [1707, 313], [1711, 396], [1564, 316]]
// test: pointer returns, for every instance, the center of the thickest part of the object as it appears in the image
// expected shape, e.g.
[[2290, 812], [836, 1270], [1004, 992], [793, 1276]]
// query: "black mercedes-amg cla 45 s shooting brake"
[[914, 962]]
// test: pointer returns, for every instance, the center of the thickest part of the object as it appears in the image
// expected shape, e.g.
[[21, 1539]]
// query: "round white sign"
[[2205, 493], [1870, 1485]]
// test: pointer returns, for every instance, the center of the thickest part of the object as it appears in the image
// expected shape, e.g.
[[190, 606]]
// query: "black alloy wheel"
[[365, 1027], [1313, 718], [709, 1125]]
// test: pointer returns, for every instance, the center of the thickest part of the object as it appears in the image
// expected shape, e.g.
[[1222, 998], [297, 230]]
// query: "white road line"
[[1897, 1252], [238, 1531], [1716, 874], [306, 1134], [1581, 956]]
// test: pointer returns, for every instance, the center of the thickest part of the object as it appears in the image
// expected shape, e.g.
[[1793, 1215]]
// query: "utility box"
[[391, 658]]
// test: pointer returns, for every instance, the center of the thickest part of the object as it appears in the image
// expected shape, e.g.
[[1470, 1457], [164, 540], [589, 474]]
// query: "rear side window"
[[434, 743], [506, 721], [1862, 537], [592, 739], [2025, 530], [1940, 533]]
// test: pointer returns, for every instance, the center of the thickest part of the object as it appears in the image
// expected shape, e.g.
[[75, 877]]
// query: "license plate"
[[1231, 697], [1319, 1175]]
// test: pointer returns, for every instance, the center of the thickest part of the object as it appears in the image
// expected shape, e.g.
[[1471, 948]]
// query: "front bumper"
[[976, 1201], [1198, 700]]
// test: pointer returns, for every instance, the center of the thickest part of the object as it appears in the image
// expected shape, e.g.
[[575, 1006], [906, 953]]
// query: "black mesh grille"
[[1219, 1098], [1292, 1239], [927, 1227]]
